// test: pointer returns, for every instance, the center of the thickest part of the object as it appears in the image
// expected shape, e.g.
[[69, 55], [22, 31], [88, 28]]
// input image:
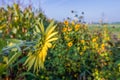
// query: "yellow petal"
[[51, 35]]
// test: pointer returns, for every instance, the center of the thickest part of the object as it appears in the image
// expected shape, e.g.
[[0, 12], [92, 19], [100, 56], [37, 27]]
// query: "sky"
[[94, 10]]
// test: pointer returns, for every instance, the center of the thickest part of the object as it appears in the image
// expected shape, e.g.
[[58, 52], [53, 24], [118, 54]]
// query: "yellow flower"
[[64, 29], [69, 29], [77, 26], [82, 41], [66, 22], [103, 46], [70, 44], [94, 40]]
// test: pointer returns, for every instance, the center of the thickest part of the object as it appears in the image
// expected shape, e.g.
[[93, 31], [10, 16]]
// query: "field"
[[114, 29], [33, 47]]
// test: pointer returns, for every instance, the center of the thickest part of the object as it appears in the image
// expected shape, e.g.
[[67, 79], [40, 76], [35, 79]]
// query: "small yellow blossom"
[[77, 26], [64, 29], [82, 41], [69, 29], [103, 46], [66, 22], [94, 40], [70, 44]]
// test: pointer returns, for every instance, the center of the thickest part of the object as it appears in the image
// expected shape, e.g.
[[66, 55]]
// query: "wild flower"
[[70, 44], [77, 26], [69, 29], [64, 29], [82, 41], [66, 22], [94, 39], [103, 46]]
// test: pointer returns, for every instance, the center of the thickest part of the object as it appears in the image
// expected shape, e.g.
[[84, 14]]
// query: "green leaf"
[[41, 26], [31, 62], [15, 40], [50, 26], [37, 29], [13, 58]]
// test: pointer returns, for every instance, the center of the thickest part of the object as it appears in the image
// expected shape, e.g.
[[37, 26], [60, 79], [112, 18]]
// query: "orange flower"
[[66, 23]]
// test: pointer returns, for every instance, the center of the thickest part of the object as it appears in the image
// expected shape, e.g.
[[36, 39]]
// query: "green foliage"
[[79, 53], [18, 35]]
